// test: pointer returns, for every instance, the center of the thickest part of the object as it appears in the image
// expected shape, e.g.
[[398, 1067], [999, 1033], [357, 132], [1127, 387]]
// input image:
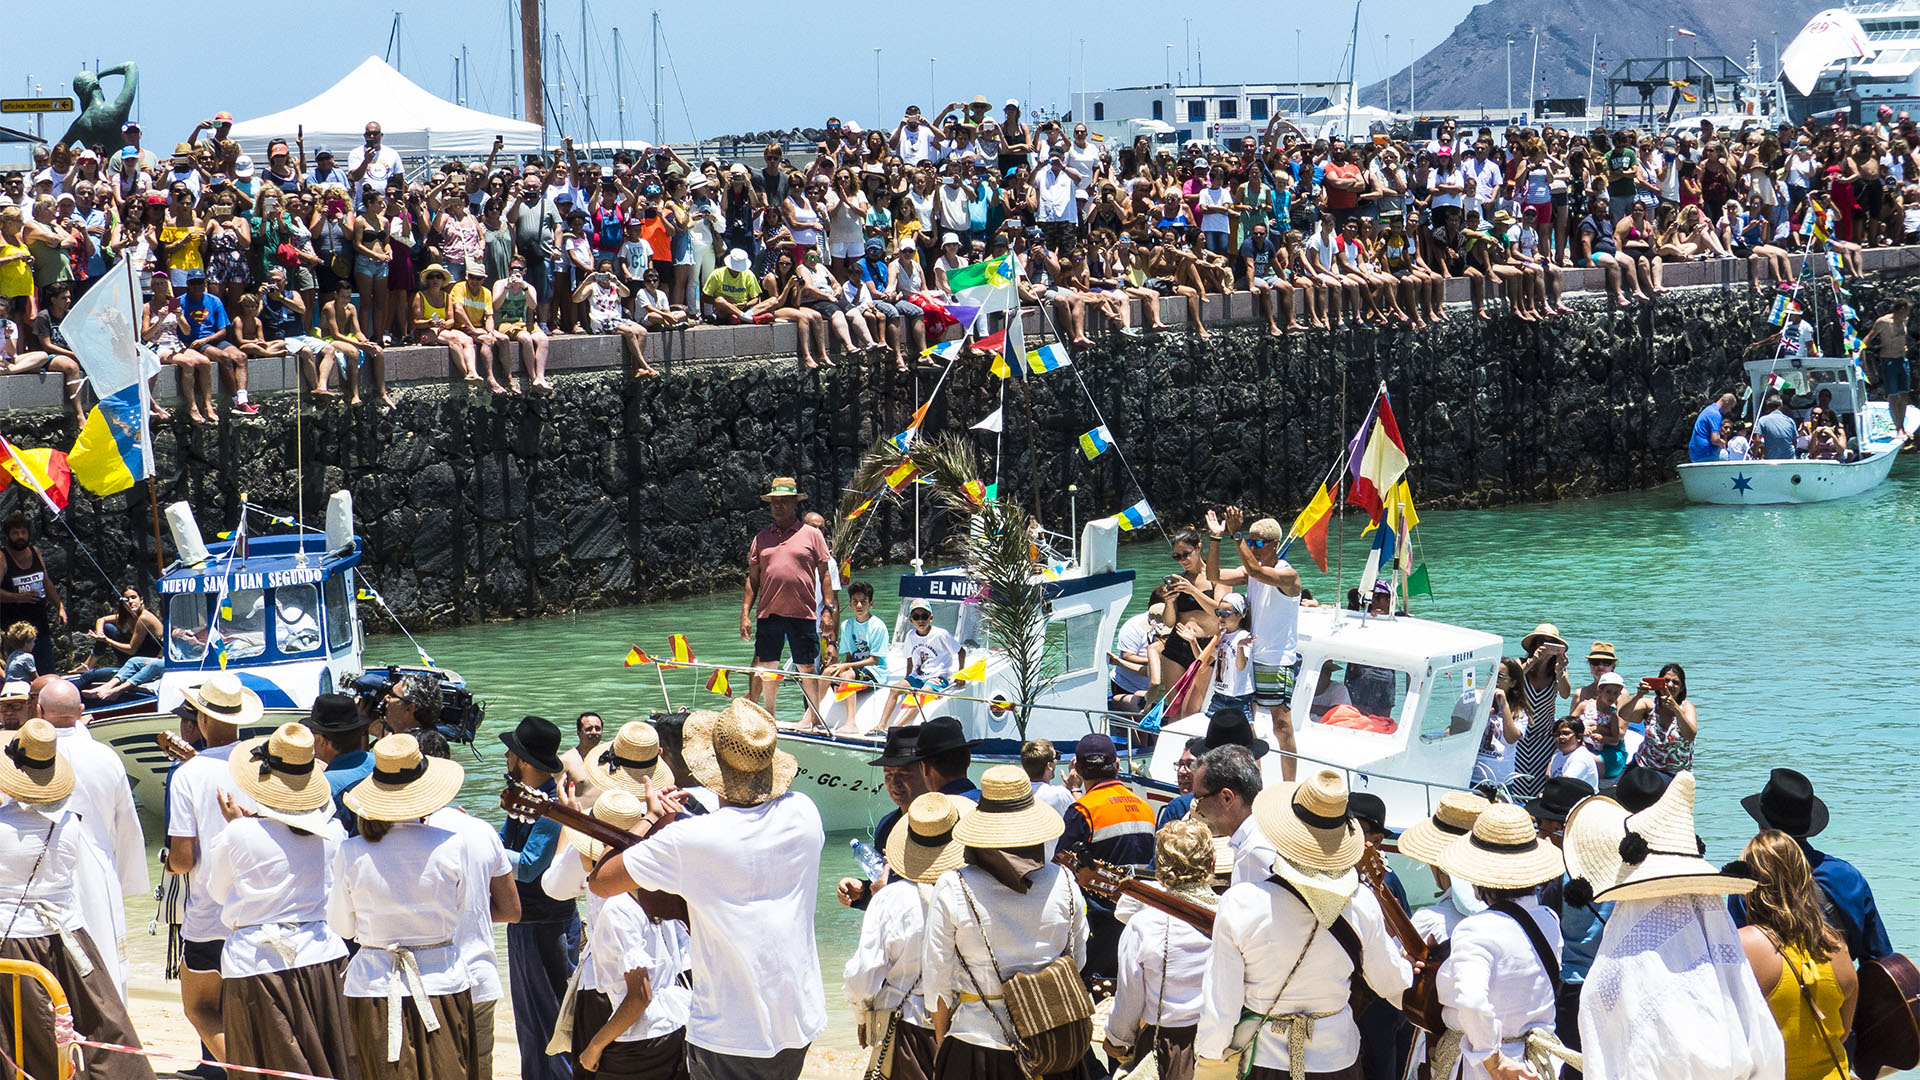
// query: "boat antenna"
[[1339, 497]]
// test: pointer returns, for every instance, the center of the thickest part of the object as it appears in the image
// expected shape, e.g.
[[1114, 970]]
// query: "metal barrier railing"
[[62, 1014]]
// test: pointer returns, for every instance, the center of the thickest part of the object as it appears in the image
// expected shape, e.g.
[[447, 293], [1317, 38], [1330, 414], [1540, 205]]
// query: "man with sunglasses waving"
[[1273, 614]]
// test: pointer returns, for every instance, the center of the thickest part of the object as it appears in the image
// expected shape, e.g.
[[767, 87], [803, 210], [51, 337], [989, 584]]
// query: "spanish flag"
[[718, 684], [637, 656], [682, 654], [901, 475], [846, 690], [43, 469], [1311, 526]]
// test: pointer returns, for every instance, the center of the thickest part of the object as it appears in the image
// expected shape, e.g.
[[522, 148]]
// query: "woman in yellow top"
[[181, 235], [1800, 961], [433, 322], [16, 265]]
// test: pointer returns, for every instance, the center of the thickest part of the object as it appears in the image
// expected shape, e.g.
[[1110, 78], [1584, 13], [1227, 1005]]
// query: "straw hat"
[[1008, 815], [223, 698], [1546, 631], [927, 848], [1307, 824], [781, 486], [620, 808], [279, 771], [1603, 650], [16, 690], [435, 270], [404, 784], [736, 753], [1654, 854], [1504, 851], [631, 761], [31, 768]]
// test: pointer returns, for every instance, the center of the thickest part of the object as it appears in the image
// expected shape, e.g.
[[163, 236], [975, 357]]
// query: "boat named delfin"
[[281, 612], [1750, 482]]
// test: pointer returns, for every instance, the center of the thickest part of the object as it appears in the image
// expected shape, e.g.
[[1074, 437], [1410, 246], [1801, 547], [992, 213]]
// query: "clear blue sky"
[[745, 65]]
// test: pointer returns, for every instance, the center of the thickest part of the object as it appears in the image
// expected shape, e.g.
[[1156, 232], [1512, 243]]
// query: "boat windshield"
[[296, 619], [1359, 697], [186, 627], [243, 623], [339, 613]]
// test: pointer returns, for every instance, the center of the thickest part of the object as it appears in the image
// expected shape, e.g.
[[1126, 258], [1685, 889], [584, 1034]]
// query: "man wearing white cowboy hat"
[[1500, 980], [282, 963], [788, 583], [731, 290], [882, 977], [749, 873], [1670, 992], [1288, 949], [1545, 668], [40, 846], [195, 819], [14, 704]]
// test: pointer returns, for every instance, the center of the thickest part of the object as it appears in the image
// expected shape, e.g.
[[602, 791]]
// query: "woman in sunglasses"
[[1194, 598]]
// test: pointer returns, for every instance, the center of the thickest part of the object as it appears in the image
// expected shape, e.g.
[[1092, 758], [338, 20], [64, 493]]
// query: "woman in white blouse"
[[1036, 915], [1163, 960], [882, 976], [399, 888], [271, 871]]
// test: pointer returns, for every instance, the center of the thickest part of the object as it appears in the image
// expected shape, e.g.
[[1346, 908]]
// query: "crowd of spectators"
[[334, 258]]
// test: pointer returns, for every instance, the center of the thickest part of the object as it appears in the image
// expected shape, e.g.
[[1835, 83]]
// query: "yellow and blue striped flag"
[[1096, 442], [1137, 516], [1049, 358]]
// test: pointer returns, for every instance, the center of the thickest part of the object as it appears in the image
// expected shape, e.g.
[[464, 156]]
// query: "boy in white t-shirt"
[[932, 658], [863, 649], [1232, 670], [1571, 758]]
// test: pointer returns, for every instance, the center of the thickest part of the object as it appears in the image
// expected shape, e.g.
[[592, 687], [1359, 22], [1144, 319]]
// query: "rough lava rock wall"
[[614, 491]]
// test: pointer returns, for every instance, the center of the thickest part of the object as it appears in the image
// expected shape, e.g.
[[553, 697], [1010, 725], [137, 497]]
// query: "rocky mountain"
[[1469, 69]]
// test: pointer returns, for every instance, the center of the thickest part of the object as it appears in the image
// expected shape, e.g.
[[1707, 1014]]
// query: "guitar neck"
[[1399, 923], [659, 905], [587, 825], [1194, 914]]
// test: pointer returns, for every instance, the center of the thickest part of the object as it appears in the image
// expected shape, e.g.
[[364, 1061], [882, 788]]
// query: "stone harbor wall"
[[614, 491]]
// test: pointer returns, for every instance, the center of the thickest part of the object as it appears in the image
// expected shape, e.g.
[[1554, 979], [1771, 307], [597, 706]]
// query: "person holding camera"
[[1545, 671], [602, 295]]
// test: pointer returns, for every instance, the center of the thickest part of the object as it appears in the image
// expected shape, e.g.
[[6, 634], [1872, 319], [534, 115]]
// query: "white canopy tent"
[[414, 121], [1333, 120]]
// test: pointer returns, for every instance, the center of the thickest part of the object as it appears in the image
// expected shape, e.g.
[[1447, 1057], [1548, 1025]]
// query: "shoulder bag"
[[1052, 1012]]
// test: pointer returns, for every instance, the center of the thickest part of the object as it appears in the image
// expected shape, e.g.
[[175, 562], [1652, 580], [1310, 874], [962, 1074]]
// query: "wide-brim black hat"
[[900, 747], [937, 736], [335, 714], [1788, 803], [536, 741], [1640, 787], [1234, 729], [1558, 796]]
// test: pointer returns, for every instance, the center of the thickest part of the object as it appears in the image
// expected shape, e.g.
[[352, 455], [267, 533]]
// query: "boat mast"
[[619, 89], [1353, 62]]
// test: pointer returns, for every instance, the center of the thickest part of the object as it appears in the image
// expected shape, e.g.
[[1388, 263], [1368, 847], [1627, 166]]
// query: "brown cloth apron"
[[98, 1012], [294, 1021], [446, 1054]]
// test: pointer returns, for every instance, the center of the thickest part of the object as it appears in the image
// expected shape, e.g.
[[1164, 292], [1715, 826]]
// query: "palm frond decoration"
[[994, 540]]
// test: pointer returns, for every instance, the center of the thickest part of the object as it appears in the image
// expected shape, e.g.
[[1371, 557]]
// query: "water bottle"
[[872, 863]]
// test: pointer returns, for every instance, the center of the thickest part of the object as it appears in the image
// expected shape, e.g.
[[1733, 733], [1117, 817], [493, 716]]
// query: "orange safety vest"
[[1114, 812]]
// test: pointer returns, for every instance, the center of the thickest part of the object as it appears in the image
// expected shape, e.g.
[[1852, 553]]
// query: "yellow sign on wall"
[[36, 105]]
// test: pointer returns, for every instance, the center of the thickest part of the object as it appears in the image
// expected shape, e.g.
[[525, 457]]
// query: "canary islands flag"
[[1096, 442], [115, 448], [1139, 515], [1049, 358]]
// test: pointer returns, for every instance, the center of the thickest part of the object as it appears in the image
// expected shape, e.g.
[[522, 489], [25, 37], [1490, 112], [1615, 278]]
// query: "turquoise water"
[[1796, 627]]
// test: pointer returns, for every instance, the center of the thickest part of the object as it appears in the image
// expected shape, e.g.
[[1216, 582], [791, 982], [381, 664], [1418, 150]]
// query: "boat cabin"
[[1801, 380], [1397, 703], [280, 608]]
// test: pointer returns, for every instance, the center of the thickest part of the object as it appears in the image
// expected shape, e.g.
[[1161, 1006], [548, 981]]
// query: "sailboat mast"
[[619, 89], [1353, 64]]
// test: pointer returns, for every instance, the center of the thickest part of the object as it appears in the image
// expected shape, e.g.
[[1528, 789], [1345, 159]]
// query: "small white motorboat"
[[1753, 482]]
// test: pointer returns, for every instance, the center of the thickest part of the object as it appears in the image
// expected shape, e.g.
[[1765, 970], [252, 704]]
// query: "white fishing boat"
[[283, 609], [1752, 482], [1085, 603]]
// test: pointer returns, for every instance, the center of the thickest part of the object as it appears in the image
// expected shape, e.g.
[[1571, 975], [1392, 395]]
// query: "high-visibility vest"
[[1121, 823]]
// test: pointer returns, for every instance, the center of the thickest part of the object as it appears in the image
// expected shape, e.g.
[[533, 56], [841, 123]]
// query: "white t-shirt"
[[1274, 618], [385, 163], [1213, 215], [1135, 635], [626, 939], [750, 876], [484, 858], [1228, 676], [1581, 764], [932, 653], [193, 809], [272, 885], [1056, 201], [916, 144], [1084, 161]]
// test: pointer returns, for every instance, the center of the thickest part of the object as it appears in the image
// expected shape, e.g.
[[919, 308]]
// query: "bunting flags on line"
[[1311, 526], [1096, 442], [945, 350], [901, 475], [682, 653], [637, 656], [718, 683], [1137, 516], [993, 421], [846, 690], [1418, 584], [974, 672]]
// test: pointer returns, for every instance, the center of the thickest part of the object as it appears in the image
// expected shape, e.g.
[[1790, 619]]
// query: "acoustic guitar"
[[525, 804], [174, 746], [1886, 1022], [1421, 1002], [1111, 882]]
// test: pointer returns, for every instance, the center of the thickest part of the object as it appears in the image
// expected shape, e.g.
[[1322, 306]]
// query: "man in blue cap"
[[1108, 824]]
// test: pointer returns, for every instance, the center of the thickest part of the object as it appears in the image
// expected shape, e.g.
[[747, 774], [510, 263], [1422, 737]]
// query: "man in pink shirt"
[[787, 583]]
